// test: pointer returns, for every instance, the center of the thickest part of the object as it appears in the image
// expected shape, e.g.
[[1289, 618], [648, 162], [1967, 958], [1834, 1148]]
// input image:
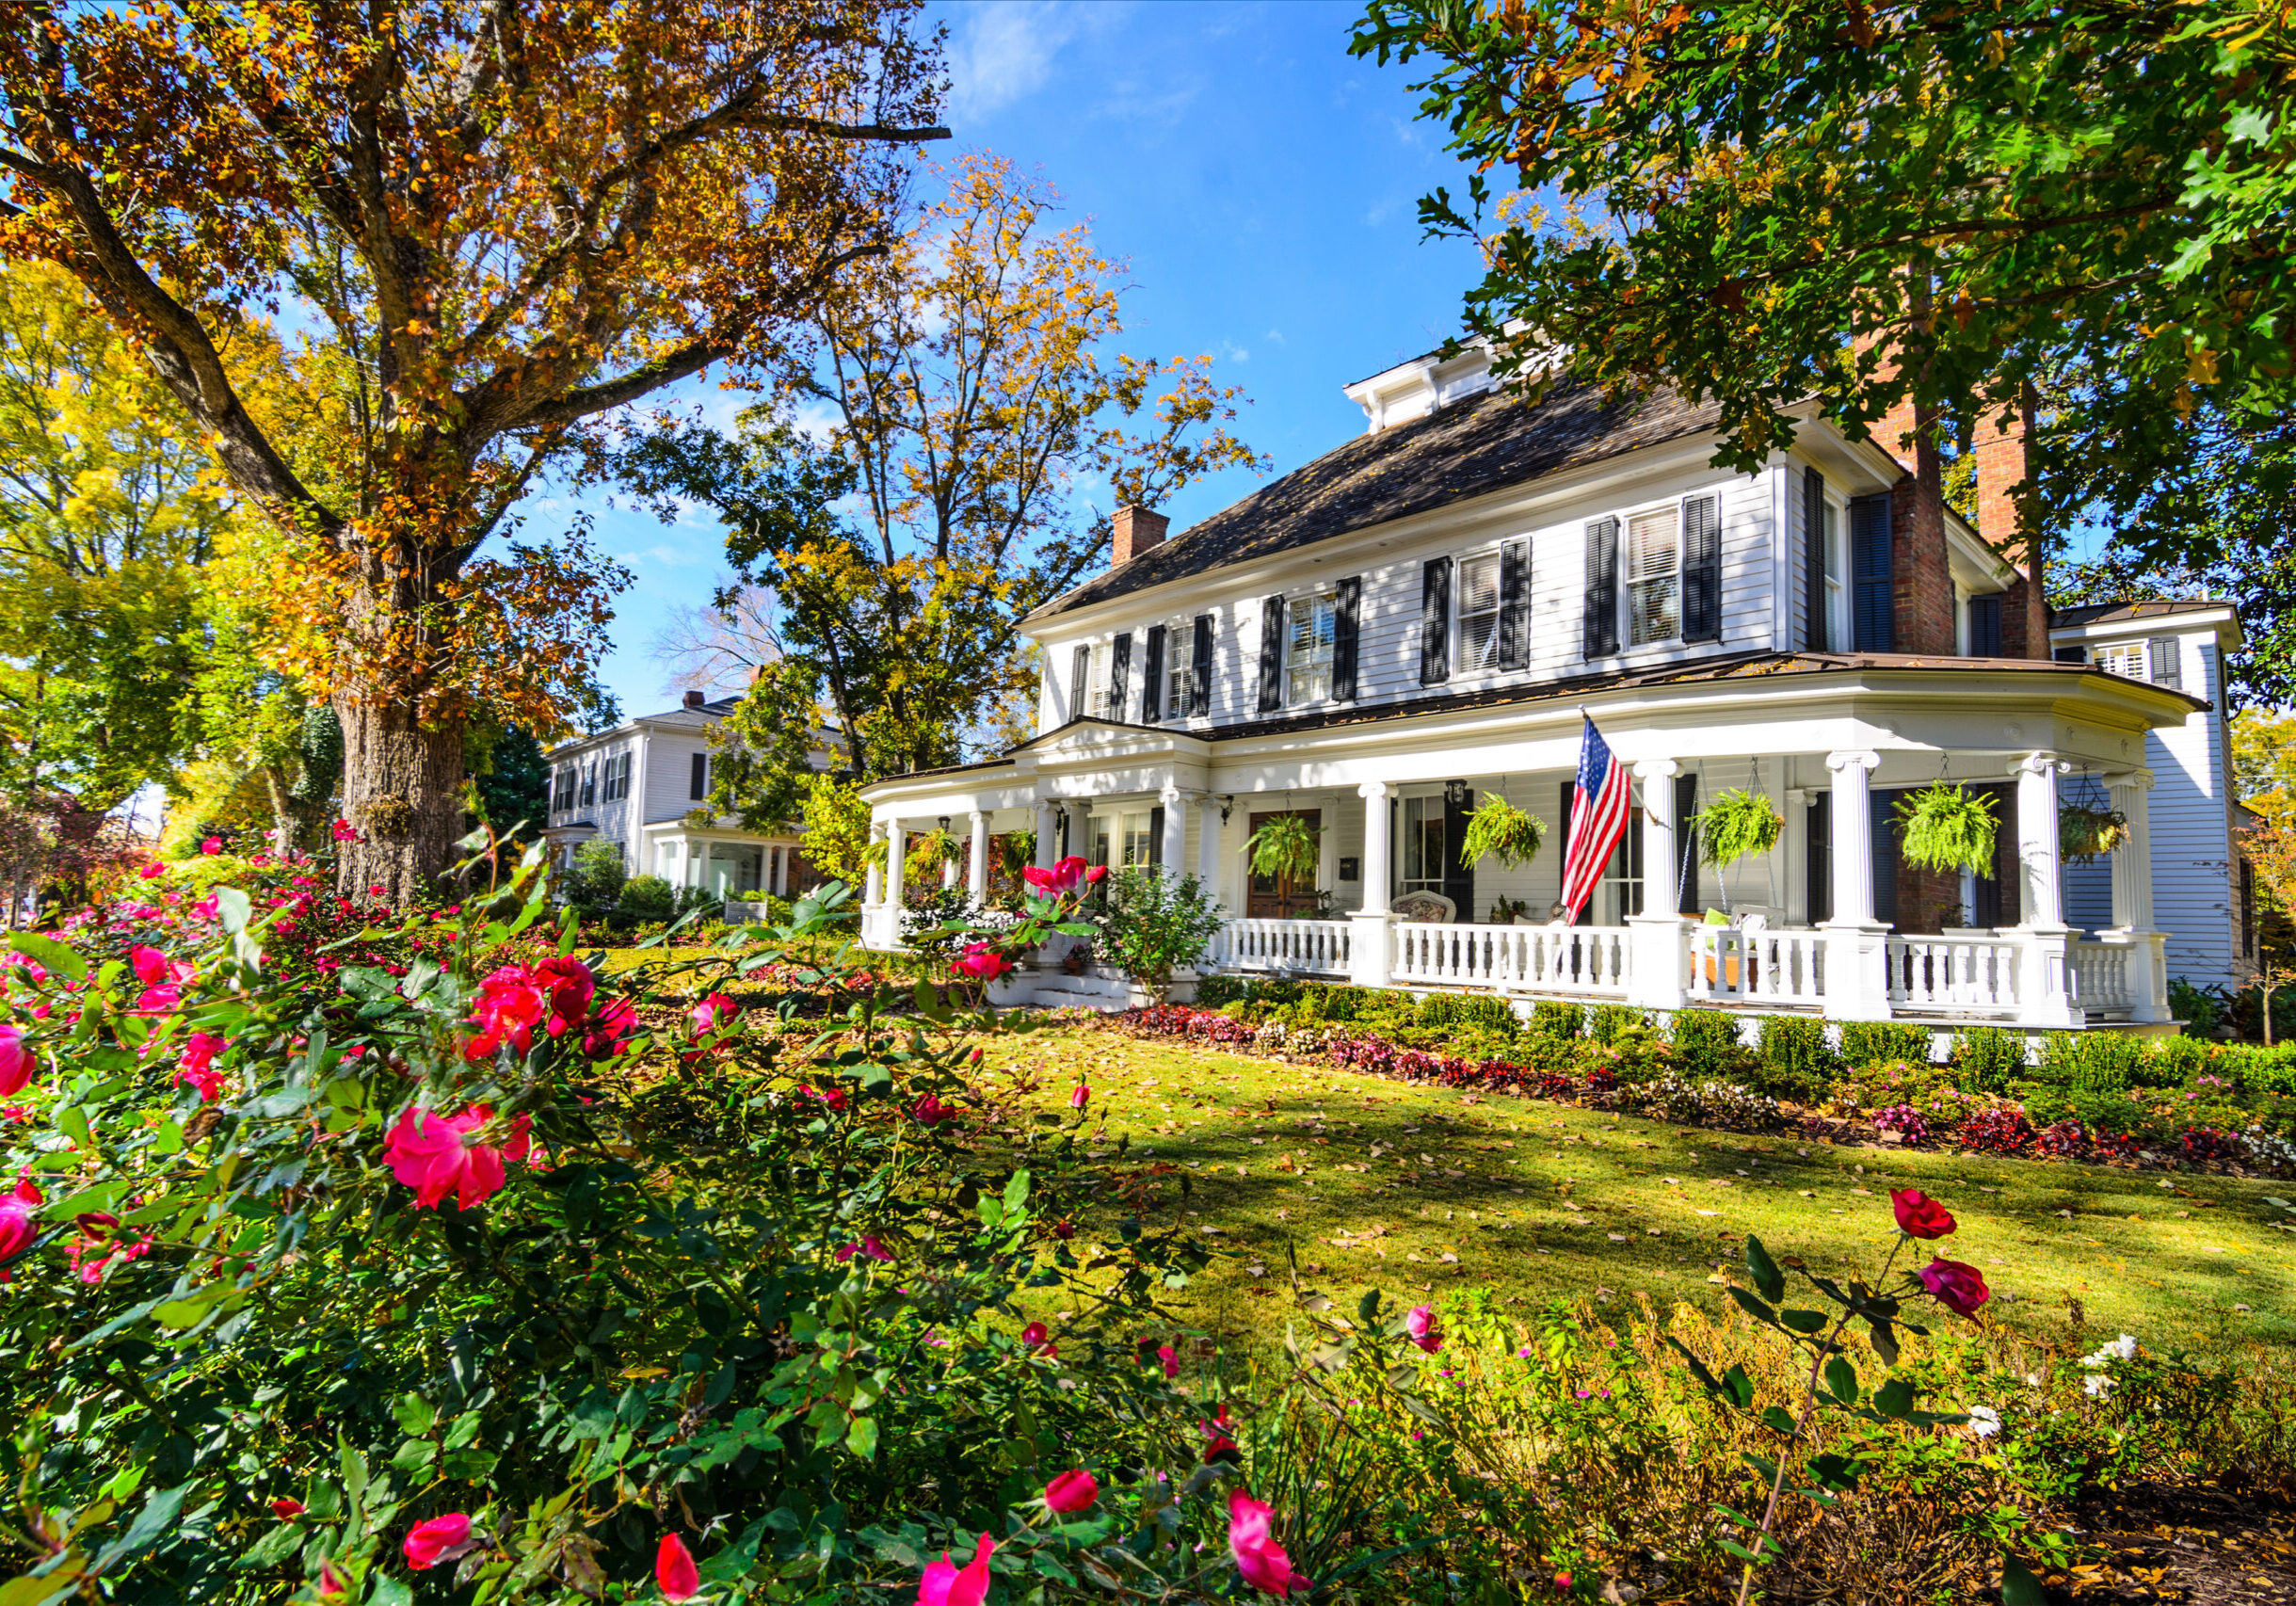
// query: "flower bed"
[[2180, 1103]]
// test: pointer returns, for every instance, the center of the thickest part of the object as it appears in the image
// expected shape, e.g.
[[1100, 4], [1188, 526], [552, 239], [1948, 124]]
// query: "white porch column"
[[977, 870], [1174, 848], [1372, 930], [1045, 827], [1793, 875], [948, 865], [1657, 942], [2132, 861], [2045, 988], [1208, 832], [896, 871], [873, 885], [1858, 945], [2132, 899]]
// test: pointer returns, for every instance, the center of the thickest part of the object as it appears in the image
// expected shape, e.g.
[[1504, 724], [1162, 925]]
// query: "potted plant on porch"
[[1284, 848], [1498, 829], [1946, 827], [2089, 830], [1734, 825]]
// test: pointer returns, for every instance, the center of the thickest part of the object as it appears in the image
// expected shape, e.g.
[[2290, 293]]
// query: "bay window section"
[[1308, 647]]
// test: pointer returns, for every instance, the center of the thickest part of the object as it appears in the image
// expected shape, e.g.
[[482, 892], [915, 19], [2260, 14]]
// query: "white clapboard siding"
[[2189, 812]]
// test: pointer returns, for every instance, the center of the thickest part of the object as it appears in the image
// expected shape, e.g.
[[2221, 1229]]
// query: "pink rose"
[[713, 1014], [1420, 1323], [510, 1005], [17, 1062], [153, 872], [1079, 1097], [332, 1585], [1071, 1491], [944, 1584], [437, 1539], [1169, 1359], [869, 1247], [1259, 1557], [981, 963], [1037, 1338], [435, 1155], [213, 845], [16, 1230], [602, 1037]]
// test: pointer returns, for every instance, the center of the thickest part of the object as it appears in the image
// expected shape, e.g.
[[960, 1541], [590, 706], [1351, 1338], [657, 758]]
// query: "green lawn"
[[1422, 1190]]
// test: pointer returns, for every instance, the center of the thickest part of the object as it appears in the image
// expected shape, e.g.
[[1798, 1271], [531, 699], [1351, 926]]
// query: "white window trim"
[[1495, 552], [1626, 574], [1329, 597]]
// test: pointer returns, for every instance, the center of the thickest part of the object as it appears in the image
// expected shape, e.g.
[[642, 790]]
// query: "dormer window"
[[1309, 647]]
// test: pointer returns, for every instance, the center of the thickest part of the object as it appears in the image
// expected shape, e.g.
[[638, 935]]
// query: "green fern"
[[1285, 845], [1946, 827], [1734, 825], [1499, 830]]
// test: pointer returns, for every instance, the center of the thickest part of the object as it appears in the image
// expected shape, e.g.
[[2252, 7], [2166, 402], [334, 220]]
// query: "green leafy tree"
[[970, 390], [594, 882], [109, 507], [1970, 207], [514, 788]]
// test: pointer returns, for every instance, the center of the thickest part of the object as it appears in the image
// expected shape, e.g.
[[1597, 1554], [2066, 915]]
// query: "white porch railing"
[[1321, 947], [1590, 960], [1954, 974], [2101, 978], [1727, 965]]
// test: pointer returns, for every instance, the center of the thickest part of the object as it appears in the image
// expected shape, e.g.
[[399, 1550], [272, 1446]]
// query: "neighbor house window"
[[1653, 576], [617, 777], [1479, 599], [1423, 845], [698, 783], [589, 785], [2122, 658], [1307, 649]]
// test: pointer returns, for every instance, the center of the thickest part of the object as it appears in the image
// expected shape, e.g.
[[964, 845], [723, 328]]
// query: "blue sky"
[[1261, 184]]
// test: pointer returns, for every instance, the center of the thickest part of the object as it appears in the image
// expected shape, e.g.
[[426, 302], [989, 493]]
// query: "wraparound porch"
[[1827, 921]]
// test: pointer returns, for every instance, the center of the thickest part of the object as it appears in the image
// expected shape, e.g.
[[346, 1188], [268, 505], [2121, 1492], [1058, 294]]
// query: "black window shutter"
[[1515, 606], [1685, 846], [1821, 867], [2070, 654], [1600, 630], [1152, 676], [1119, 676], [1155, 838], [2166, 652], [1701, 570], [1884, 827], [1459, 879], [1347, 606], [1814, 635], [1985, 627], [1271, 654], [1199, 683], [1080, 683], [1872, 602], [1434, 623]]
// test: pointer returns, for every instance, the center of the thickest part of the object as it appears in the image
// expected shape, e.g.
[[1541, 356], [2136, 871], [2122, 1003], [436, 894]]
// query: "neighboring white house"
[[2203, 896], [642, 786], [1419, 618]]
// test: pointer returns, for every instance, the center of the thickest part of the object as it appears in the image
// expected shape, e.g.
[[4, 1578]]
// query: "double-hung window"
[[617, 777], [1480, 601], [1178, 686], [1096, 698], [1653, 576], [1422, 844], [1308, 647], [1829, 539]]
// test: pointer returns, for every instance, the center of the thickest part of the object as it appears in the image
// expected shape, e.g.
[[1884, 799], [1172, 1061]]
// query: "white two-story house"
[[644, 786], [1426, 615]]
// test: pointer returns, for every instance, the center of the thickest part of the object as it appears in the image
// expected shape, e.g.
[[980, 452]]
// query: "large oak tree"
[[500, 223]]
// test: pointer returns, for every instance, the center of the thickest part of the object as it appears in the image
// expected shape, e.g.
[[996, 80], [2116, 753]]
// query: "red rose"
[[1918, 1215], [1956, 1286]]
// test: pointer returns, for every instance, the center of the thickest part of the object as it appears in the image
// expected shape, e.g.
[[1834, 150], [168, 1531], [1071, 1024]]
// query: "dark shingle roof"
[[2110, 613], [1470, 448]]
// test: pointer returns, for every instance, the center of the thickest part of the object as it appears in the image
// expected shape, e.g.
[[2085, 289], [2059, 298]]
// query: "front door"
[[1284, 897]]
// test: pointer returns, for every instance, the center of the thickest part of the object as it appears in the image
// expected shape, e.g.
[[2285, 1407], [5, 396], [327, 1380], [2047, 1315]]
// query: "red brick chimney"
[[2002, 464], [1138, 529]]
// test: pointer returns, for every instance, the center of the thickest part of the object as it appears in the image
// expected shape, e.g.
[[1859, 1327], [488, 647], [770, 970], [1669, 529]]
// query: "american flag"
[[1597, 819]]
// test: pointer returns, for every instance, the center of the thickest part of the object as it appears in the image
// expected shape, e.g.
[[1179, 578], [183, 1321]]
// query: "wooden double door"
[[1284, 897]]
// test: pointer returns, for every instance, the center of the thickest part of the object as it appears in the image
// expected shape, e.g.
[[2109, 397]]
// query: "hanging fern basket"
[[1734, 825], [2085, 831], [1498, 829], [1946, 827], [1286, 846]]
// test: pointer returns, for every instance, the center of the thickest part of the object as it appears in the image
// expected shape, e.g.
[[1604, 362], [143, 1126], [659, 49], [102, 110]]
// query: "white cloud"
[[1235, 353], [1276, 335], [1000, 53]]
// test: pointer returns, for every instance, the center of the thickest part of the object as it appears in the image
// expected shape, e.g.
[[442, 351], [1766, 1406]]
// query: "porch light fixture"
[[1228, 806], [1456, 792], [944, 822]]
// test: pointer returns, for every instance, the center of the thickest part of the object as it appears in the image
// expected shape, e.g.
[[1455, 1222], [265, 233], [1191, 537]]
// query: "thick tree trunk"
[[402, 793]]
